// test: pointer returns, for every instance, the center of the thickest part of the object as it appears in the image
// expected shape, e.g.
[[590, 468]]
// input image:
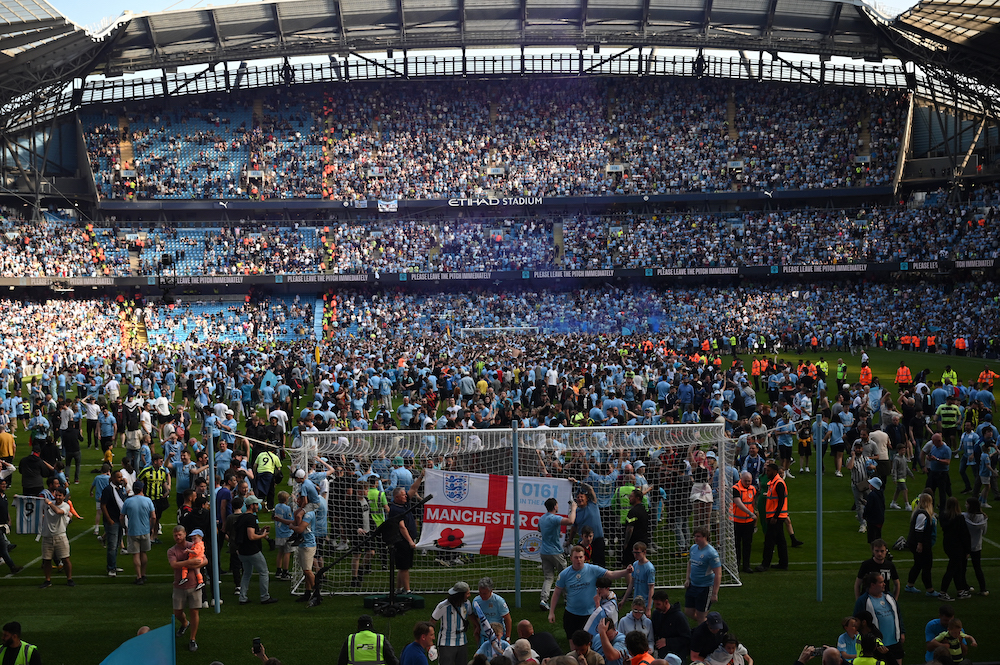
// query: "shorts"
[[165, 419], [55, 548], [305, 556], [187, 598], [698, 598], [805, 449], [403, 555], [281, 544], [985, 480], [138, 544], [837, 447], [785, 452]]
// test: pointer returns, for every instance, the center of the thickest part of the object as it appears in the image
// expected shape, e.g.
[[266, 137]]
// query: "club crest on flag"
[[456, 487]]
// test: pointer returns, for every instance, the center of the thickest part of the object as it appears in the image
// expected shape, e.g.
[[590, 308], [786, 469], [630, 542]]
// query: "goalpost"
[[542, 452]]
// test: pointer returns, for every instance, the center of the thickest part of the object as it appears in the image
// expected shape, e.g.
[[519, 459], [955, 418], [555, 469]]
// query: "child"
[[956, 641], [805, 447], [643, 577], [587, 543], [196, 551], [986, 475], [730, 652], [109, 457], [605, 605], [869, 643], [847, 643], [900, 470]]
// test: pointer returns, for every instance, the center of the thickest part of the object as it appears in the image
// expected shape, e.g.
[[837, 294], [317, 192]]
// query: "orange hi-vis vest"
[[866, 376], [747, 495], [960, 344], [903, 377], [755, 368], [904, 340], [986, 378], [772, 507]]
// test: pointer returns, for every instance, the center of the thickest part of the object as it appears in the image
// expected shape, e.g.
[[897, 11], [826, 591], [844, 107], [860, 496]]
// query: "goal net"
[[455, 544]]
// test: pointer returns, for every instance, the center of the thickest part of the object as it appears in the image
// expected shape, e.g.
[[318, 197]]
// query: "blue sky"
[[89, 13]]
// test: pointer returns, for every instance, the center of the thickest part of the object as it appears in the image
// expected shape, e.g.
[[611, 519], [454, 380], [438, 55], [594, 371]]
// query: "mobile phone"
[[256, 645]]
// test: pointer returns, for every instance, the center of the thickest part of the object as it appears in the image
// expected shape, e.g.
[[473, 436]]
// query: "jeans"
[[860, 499], [112, 543], [254, 563], [552, 565], [70, 457]]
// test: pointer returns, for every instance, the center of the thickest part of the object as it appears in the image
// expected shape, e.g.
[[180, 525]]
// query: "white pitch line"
[[72, 540]]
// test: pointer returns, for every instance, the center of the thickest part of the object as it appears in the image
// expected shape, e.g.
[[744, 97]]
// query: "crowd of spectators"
[[840, 314], [244, 322], [536, 137], [56, 246]]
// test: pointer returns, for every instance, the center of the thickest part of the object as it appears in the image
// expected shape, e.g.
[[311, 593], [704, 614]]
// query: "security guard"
[[27, 654], [366, 647], [744, 518]]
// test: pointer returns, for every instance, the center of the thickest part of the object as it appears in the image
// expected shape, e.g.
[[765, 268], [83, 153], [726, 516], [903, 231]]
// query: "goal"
[[472, 457]]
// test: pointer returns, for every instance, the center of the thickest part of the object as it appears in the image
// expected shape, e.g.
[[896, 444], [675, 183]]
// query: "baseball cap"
[[197, 532], [138, 486], [714, 620], [458, 587], [300, 474], [251, 500], [398, 461]]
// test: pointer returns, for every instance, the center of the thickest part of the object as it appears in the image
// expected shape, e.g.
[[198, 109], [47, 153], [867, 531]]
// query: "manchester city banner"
[[29, 513], [474, 512]]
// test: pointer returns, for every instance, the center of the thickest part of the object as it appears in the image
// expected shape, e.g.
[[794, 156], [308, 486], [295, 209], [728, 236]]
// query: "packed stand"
[[849, 311], [539, 137], [200, 322], [59, 247]]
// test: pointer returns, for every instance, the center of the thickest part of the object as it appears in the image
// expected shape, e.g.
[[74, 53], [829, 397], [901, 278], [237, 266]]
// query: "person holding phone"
[[257, 649], [248, 536]]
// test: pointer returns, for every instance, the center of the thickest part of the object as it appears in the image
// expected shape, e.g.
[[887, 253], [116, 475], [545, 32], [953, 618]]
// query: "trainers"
[[985, 505], [112, 573], [788, 474], [183, 629], [839, 474], [962, 595], [945, 597], [893, 504], [16, 569], [863, 528], [269, 601], [984, 593], [199, 586], [542, 605], [800, 469], [70, 583], [45, 585], [443, 562], [139, 581], [237, 591], [909, 588], [183, 582], [192, 646], [933, 594], [97, 531], [807, 470]]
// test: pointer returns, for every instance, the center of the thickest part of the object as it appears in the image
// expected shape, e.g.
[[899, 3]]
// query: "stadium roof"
[[40, 49], [305, 27]]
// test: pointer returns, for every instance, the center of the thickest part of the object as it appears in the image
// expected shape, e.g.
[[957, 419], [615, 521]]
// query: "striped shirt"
[[156, 481], [454, 623]]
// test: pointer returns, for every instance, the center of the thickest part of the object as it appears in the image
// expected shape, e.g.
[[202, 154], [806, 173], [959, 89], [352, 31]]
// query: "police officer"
[[27, 654], [366, 647]]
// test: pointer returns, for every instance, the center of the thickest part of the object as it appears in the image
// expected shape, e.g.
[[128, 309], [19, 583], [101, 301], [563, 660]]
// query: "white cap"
[[300, 474]]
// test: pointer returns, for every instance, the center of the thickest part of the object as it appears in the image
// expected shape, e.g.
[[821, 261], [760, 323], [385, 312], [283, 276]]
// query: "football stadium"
[[505, 332]]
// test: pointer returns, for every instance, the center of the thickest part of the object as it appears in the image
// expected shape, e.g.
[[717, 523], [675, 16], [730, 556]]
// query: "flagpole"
[[517, 519]]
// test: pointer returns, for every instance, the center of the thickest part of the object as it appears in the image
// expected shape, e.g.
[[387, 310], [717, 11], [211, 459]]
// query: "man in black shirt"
[[112, 498], [707, 636], [882, 564], [671, 632], [248, 537], [636, 525], [401, 531], [33, 469], [543, 643]]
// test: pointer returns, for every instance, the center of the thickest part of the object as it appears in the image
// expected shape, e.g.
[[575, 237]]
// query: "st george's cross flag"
[[474, 512]]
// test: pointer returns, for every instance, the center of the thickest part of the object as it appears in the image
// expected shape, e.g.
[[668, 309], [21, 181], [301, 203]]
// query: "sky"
[[90, 13]]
